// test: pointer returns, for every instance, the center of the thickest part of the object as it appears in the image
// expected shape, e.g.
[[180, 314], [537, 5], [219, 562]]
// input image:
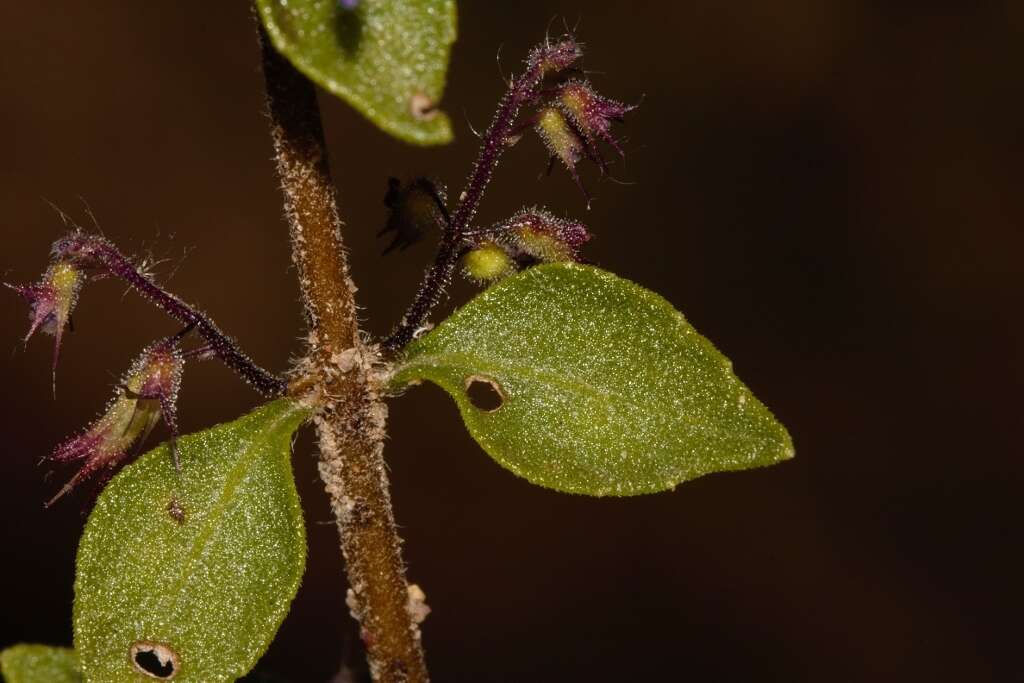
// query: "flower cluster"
[[148, 391], [573, 120]]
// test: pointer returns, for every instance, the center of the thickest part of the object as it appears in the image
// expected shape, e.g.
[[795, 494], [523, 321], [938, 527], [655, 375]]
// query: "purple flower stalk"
[[100, 257], [544, 60]]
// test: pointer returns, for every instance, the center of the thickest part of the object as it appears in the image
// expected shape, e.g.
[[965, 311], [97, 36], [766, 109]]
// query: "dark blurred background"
[[830, 191]]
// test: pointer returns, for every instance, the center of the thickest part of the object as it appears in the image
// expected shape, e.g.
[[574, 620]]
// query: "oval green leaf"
[[39, 664], [193, 572], [597, 385], [386, 58]]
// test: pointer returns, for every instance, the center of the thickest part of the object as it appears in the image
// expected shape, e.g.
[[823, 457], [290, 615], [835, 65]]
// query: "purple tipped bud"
[[51, 301], [546, 238], [591, 113], [553, 58], [148, 391]]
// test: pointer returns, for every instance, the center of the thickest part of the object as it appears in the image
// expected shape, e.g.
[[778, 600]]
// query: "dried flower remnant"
[[415, 208], [148, 391], [51, 301]]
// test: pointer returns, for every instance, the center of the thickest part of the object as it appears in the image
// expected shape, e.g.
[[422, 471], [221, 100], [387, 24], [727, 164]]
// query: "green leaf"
[[605, 389], [39, 664], [196, 571], [386, 58]]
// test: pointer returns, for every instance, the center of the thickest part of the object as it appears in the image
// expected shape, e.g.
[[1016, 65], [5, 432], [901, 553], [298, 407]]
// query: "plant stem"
[[350, 417]]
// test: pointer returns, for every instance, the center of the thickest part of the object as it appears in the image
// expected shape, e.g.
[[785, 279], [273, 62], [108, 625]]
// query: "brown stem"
[[351, 417]]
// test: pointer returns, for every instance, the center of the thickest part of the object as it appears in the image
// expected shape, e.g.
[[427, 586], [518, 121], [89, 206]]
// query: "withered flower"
[[415, 208], [51, 301], [147, 392]]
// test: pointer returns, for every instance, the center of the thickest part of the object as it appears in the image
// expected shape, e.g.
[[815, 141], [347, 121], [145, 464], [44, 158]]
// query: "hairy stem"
[[350, 418], [100, 254], [520, 91]]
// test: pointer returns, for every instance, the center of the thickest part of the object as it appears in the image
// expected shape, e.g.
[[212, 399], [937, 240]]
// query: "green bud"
[[487, 263]]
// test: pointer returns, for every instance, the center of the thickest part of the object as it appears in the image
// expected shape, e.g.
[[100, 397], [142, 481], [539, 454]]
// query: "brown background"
[[831, 191]]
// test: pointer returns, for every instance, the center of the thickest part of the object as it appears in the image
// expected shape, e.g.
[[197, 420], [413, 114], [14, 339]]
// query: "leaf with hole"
[[386, 58], [39, 664], [596, 385], [190, 576]]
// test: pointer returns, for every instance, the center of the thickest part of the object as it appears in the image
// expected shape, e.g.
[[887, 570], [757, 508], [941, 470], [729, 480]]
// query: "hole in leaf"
[[154, 660], [484, 393]]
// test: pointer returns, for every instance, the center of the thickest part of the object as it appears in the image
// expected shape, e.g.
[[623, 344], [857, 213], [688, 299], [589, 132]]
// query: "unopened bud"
[[552, 58], [487, 263], [546, 238], [562, 141]]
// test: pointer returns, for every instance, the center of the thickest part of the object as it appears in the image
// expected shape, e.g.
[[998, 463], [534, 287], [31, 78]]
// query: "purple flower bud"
[[591, 114], [546, 238], [553, 58], [148, 391], [51, 302]]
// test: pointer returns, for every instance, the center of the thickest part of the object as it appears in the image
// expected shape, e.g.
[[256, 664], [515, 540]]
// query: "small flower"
[[51, 301], [591, 114], [415, 208], [548, 239], [148, 391]]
